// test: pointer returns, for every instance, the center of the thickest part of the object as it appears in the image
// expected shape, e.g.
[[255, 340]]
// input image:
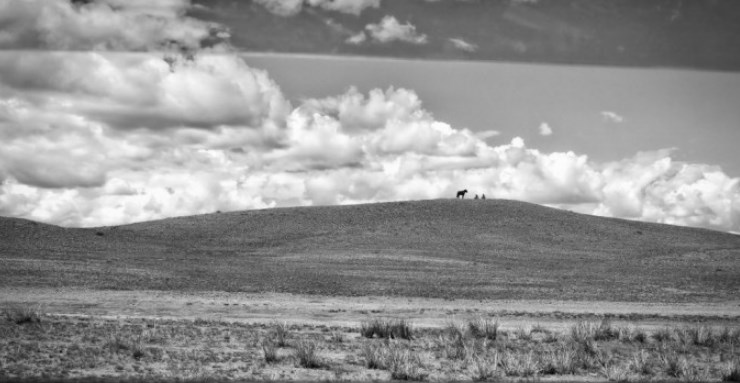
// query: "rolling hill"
[[496, 249]]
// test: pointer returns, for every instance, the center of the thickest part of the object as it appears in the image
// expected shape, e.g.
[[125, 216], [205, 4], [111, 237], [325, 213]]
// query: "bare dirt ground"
[[350, 311]]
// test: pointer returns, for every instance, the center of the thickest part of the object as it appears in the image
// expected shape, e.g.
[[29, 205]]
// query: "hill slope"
[[438, 248]]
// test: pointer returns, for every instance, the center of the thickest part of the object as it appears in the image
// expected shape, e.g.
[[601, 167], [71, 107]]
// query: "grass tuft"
[[281, 333], [404, 366], [732, 372], [374, 356], [582, 332], [483, 328], [387, 328], [606, 331], [23, 314], [269, 351], [307, 353], [485, 369]]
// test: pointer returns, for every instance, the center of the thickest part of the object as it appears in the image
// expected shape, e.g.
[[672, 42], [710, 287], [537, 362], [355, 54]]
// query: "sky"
[[120, 111]]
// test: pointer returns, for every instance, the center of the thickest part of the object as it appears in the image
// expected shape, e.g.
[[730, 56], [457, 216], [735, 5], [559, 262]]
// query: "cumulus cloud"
[[144, 91], [545, 129], [390, 29], [486, 134], [464, 45], [293, 7], [350, 148], [356, 39], [103, 25], [611, 117]]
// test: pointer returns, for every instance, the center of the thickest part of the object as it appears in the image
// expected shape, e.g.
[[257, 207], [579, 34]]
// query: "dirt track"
[[350, 311]]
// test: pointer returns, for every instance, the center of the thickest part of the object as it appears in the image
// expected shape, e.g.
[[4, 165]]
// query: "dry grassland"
[[476, 348]]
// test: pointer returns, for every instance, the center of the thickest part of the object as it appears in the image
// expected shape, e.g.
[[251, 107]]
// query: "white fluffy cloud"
[[545, 129], [611, 117], [293, 7], [463, 45], [101, 25], [146, 91], [390, 29], [350, 148]]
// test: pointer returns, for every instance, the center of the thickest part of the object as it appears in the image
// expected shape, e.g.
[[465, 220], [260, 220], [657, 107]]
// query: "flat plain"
[[570, 296]]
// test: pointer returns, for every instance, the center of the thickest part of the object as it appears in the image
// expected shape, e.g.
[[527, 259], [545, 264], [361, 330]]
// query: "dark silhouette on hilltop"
[[461, 193]]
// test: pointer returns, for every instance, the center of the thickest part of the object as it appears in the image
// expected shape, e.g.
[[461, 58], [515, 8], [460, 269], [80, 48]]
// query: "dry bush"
[[483, 328], [582, 332], [23, 314], [485, 369], [640, 364], [307, 353], [118, 343], [269, 351], [562, 360], [336, 337], [675, 365], [665, 334], [732, 372], [605, 331], [640, 336], [281, 333], [702, 336], [524, 333], [404, 365], [387, 328], [374, 356], [515, 364]]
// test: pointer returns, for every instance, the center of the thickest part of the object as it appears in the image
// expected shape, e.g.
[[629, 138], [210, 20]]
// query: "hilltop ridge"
[[435, 248]]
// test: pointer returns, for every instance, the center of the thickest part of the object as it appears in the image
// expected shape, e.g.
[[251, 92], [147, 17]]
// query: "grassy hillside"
[[438, 248]]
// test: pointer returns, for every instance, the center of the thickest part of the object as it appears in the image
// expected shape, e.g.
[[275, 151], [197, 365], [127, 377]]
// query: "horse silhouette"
[[461, 193]]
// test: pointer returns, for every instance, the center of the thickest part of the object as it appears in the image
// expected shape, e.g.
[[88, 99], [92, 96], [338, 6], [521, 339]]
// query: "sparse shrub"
[[336, 337], [591, 348], [454, 330], [401, 328], [281, 333], [404, 366], [374, 356], [732, 372], [582, 331], [524, 333], [23, 314], [269, 351], [664, 334], [461, 348], [729, 335], [560, 361], [614, 371], [538, 328], [307, 353], [484, 328], [384, 328], [639, 335], [118, 343], [674, 365], [640, 364], [606, 331], [368, 328], [485, 369], [626, 333], [514, 364], [701, 336]]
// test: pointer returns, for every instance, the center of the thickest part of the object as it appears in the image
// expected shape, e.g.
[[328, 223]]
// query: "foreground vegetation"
[[33, 345]]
